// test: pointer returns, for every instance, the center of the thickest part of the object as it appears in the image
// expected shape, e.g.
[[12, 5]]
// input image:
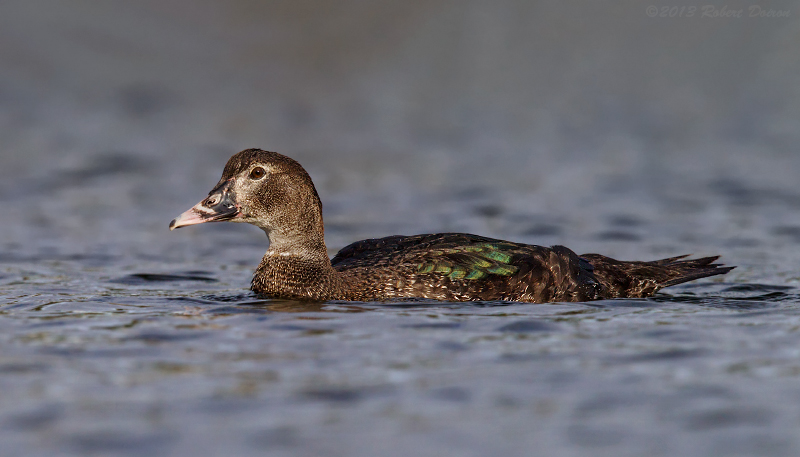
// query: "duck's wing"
[[463, 266], [459, 266], [454, 254], [360, 251]]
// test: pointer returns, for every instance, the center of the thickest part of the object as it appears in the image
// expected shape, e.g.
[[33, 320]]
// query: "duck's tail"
[[643, 279]]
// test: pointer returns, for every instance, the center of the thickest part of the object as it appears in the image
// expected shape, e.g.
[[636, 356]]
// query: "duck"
[[276, 194]]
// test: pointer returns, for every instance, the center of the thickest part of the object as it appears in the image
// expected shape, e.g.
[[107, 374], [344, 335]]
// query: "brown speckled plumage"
[[444, 266]]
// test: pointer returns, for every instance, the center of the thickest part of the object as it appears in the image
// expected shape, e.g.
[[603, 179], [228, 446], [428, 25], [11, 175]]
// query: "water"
[[119, 337], [154, 345]]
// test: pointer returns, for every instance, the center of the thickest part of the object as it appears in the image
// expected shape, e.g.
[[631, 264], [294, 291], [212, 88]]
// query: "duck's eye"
[[257, 173]]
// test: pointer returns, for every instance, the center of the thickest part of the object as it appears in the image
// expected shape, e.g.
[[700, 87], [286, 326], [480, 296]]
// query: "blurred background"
[[546, 121], [598, 125]]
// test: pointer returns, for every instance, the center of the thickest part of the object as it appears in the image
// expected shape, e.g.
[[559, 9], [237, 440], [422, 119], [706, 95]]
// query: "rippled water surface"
[[598, 128], [154, 346]]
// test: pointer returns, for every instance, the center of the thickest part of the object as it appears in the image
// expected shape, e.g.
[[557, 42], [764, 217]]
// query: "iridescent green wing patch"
[[474, 261]]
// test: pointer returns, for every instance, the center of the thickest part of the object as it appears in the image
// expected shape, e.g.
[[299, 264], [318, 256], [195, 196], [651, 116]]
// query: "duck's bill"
[[219, 206]]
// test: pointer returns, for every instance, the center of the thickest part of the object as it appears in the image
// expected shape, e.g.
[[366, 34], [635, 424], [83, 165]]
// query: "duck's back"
[[459, 267]]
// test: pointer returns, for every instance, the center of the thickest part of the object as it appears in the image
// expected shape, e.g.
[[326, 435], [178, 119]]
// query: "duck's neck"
[[297, 267]]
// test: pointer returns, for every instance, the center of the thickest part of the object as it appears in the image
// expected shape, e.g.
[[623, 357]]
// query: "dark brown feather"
[[643, 279], [391, 268]]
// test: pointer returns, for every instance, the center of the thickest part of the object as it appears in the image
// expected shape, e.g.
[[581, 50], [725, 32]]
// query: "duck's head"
[[263, 188]]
